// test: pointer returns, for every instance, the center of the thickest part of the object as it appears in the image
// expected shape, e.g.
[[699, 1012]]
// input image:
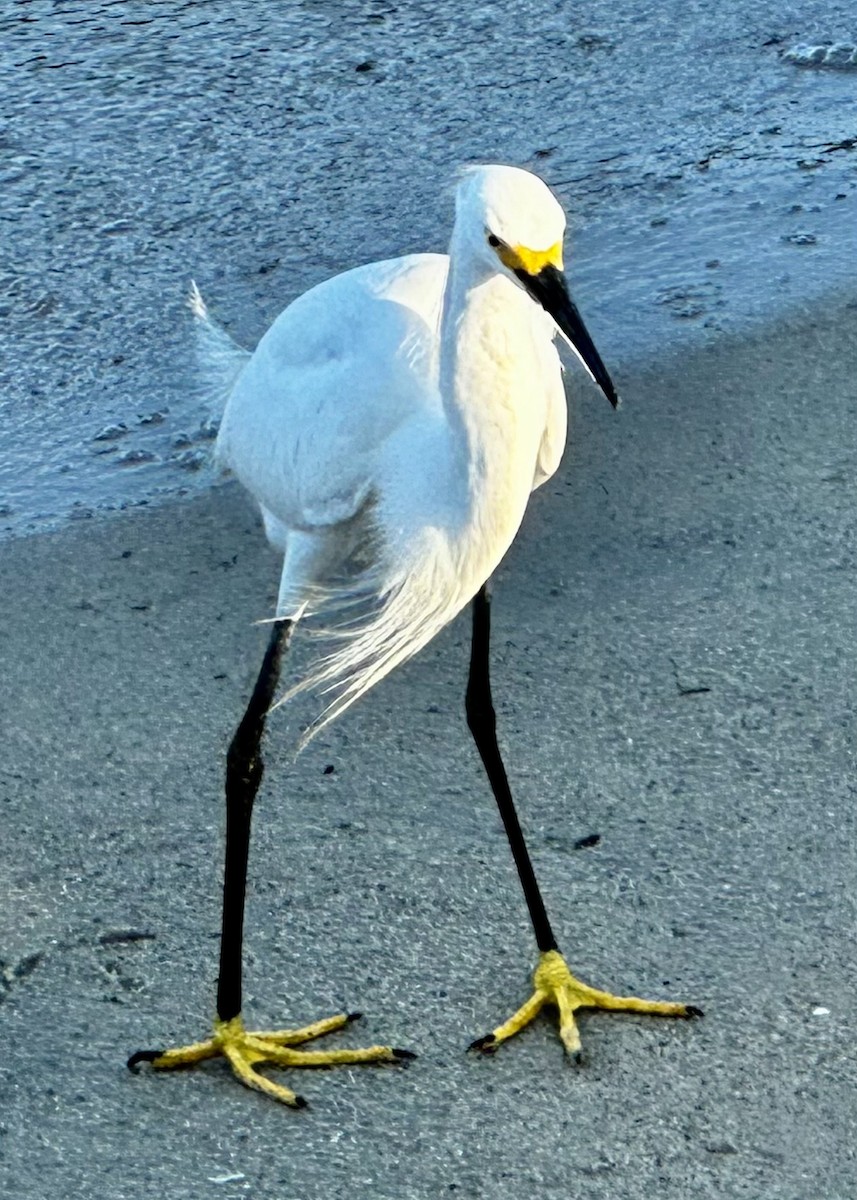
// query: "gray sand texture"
[[674, 639]]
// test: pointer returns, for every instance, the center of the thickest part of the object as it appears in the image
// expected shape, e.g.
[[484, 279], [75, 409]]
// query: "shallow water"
[[711, 178]]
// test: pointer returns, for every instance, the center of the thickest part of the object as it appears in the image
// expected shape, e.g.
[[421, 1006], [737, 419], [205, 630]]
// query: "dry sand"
[[674, 665]]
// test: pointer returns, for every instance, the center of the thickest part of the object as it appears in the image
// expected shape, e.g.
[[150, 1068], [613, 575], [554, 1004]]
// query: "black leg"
[[244, 769], [246, 1051], [483, 725]]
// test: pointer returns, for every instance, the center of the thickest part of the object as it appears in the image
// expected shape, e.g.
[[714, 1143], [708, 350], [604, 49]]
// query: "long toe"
[[568, 1031]]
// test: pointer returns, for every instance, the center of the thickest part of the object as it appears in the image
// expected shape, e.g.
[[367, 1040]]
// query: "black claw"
[[690, 1010], [404, 1055], [142, 1056], [486, 1044], [299, 1102], [576, 1057], [355, 1016]]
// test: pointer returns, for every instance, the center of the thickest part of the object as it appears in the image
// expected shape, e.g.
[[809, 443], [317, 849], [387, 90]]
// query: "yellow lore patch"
[[520, 258]]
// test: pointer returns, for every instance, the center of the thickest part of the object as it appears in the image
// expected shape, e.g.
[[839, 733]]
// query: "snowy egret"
[[391, 425]]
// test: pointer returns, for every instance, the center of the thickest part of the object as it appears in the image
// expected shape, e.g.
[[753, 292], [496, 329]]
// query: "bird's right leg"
[[553, 982], [242, 1049]]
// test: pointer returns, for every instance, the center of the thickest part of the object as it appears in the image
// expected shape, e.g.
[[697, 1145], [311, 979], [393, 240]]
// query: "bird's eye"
[[493, 241]]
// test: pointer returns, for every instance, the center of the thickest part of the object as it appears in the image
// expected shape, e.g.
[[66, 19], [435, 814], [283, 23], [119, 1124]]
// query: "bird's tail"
[[391, 626], [221, 360]]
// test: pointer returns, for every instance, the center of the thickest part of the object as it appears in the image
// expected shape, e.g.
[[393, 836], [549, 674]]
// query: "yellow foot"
[[555, 984], [245, 1050]]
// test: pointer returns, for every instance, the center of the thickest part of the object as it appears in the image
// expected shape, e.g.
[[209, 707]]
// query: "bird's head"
[[515, 224]]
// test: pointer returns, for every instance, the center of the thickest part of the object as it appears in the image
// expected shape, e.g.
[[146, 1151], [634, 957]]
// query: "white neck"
[[488, 365]]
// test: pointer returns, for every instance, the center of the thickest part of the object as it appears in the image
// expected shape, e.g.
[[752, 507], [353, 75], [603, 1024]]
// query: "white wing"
[[339, 371]]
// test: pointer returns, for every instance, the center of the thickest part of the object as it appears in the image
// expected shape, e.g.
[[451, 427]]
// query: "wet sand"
[[674, 662], [259, 149]]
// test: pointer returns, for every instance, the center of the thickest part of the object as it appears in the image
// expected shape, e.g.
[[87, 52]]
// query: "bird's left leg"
[[553, 981], [245, 1050]]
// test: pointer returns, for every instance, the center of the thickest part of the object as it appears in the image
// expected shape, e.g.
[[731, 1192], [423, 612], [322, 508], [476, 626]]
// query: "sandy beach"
[[674, 640], [674, 672]]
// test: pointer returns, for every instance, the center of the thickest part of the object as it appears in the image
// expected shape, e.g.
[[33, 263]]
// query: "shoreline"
[[706, 177]]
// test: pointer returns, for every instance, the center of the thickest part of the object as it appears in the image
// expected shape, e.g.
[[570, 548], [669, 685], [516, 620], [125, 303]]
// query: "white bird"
[[392, 424]]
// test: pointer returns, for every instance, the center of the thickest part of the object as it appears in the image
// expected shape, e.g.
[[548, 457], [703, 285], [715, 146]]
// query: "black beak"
[[551, 291]]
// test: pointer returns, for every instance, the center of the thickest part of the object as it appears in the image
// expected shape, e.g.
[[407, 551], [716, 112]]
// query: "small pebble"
[[190, 460], [134, 458], [111, 432], [208, 430]]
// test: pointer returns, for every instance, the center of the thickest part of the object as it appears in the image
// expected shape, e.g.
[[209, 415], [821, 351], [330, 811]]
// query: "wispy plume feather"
[[220, 358], [370, 632]]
